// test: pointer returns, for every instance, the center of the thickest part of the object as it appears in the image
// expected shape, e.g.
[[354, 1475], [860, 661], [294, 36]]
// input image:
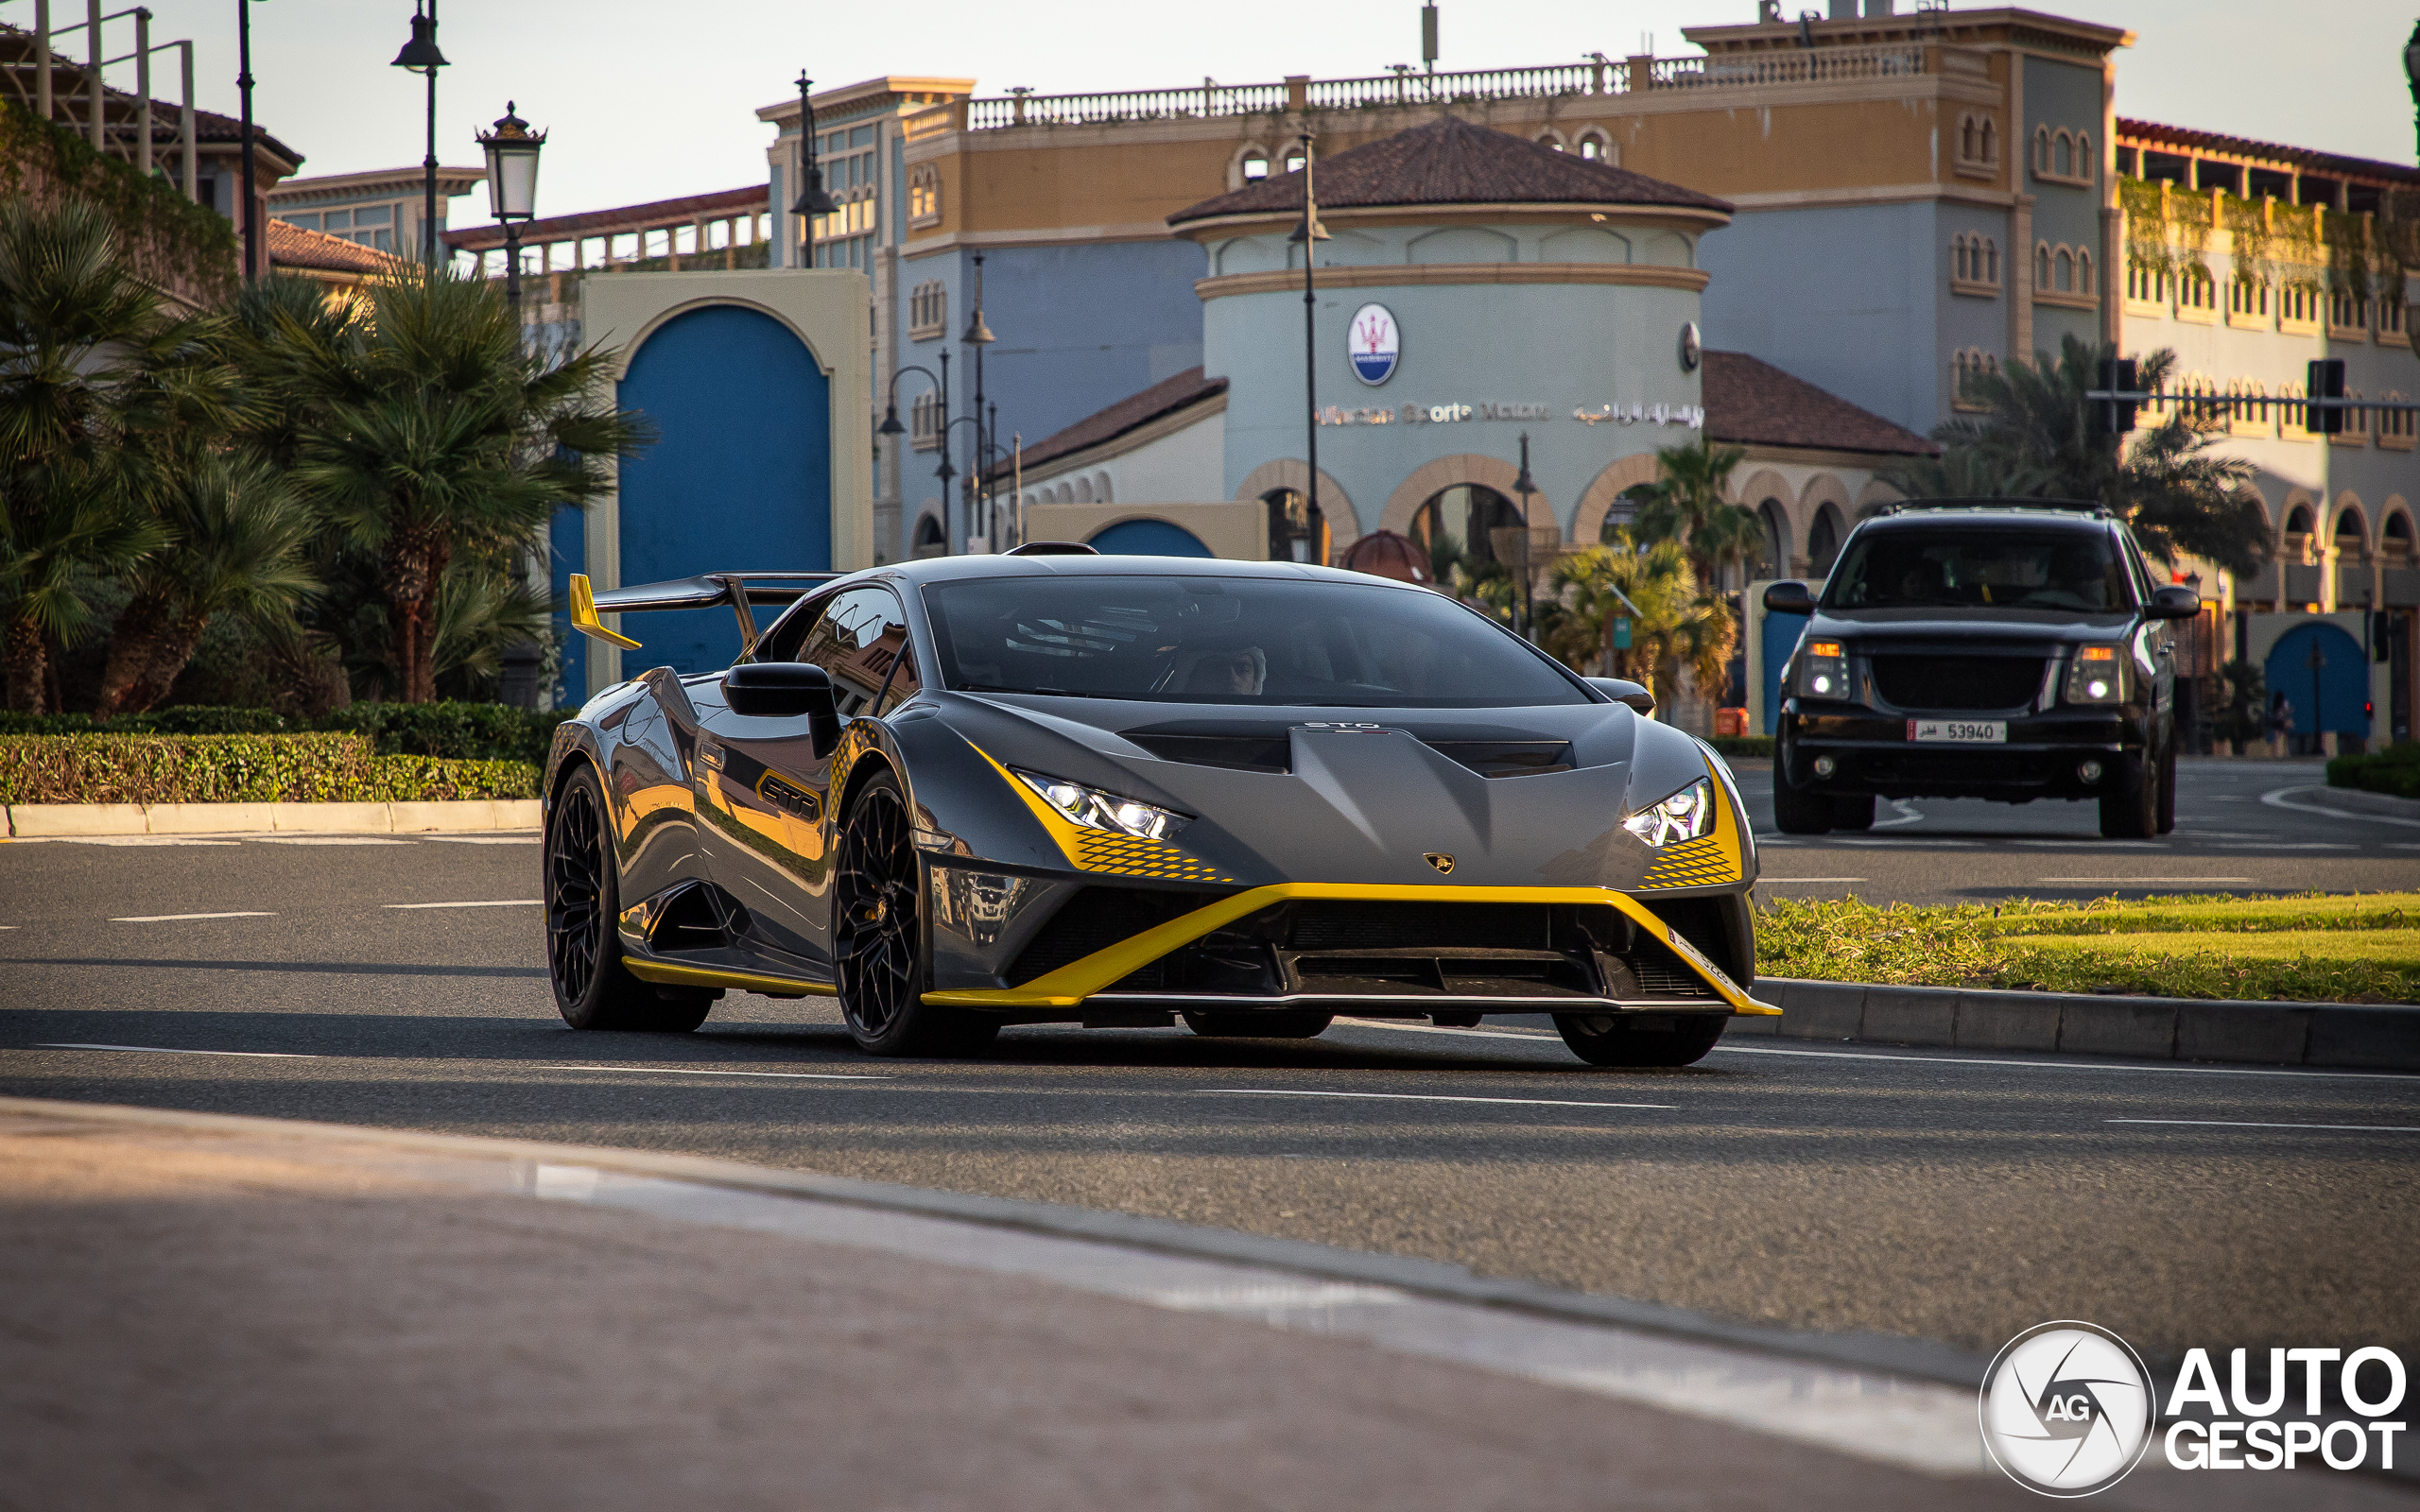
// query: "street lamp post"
[[812, 201], [420, 55], [1525, 486], [891, 425], [511, 151], [1309, 234], [979, 335], [243, 87], [2411, 71]]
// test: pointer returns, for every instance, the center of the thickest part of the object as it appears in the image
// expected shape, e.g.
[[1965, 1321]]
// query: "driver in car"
[[1241, 672]]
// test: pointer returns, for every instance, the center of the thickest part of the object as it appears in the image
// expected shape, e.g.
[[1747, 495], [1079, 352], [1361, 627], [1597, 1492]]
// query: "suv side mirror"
[[786, 690], [1789, 598], [2176, 602], [1621, 690]]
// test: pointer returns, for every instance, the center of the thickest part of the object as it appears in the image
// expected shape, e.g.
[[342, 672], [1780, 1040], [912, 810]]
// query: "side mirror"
[[1789, 598], [2176, 602], [786, 690], [1621, 690]]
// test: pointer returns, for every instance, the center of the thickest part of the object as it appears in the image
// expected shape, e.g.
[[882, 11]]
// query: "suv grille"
[[1957, 683]]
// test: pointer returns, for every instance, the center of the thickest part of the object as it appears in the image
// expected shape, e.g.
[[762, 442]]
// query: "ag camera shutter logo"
[[2067, 1409], [1374, 343]]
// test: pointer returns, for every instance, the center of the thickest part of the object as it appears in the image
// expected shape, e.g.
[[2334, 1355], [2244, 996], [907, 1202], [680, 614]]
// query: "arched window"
[[1101, 488], [1596, 148], [2042, 149], [927, 310], [1294, 158], [931, 541], [1297, 528], [1551, 139], [1824, 541], [1776, 522], [2352, 536], [1991, 261], [2083, 273], [924, 194], [2065, 271], [1459, 524], [2042, 265], [1083, 490], [2085, 163], [1960, 268], [1991, 135], [2397, 540], [1255, 165], [2063, 155]]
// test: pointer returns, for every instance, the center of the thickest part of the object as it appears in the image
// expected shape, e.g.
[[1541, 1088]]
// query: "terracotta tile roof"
[[1163, 398], [290, 245], [1748, 402], [1451, 162]]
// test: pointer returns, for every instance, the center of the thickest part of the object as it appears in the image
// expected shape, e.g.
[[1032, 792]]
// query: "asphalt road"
[[2233, 836], [1958, 1198]]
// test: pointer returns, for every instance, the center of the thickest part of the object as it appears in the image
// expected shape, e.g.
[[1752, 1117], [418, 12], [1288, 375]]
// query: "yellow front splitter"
[[663, 973], [1069, 986]]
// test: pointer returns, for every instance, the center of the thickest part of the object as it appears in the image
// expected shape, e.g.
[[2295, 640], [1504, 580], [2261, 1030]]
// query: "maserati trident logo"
[[2067, 1409], [1374, 343], [1440, 861]]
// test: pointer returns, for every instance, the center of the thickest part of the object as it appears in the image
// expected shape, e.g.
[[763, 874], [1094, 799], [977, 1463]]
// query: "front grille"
[[1245, 753], [1379, 926], [1506, 758], [1960, 682], [1951, 767], [1095, 919]]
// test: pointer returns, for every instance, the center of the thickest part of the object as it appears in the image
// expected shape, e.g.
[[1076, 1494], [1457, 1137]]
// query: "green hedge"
[[451, 730], [242, 769], [2394, 770]]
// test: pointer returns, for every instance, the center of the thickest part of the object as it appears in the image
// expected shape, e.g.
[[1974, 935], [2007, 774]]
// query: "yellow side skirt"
[[666, 974], [1073, 983]]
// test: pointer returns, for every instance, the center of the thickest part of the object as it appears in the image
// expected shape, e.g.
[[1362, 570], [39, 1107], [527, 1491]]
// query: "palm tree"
[[429, 433], [1686, 503], [88, 362], [1673, 621], [234, 538], [2038, 442]]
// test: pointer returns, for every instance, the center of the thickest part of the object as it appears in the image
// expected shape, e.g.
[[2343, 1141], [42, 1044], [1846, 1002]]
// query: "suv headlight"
[[1685, 816], [1096, 810], [1823, 670], [2098, 675]]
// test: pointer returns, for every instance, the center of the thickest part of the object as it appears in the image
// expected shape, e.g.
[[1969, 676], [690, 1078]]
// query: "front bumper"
[[1872, 753]]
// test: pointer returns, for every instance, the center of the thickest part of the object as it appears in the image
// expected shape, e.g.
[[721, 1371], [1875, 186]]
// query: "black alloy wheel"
[[1261, 1024], [878, 937], [593, 988], [1613, 1040]]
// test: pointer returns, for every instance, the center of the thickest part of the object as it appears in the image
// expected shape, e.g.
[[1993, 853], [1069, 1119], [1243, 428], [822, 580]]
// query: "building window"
[[2348, 311], [1979, 145], [1294, 159], [2247, 300], [2391, 318], [2196, 290], [924, 194], [2356, 421], [925, 422], [1967, 369], [929, 311], [2396, 428], [2063, 272], [1551, 139], [2041, 265], [1974, 264], [2297, 305], [1598, 147], [2085, 283], [1255, 165]]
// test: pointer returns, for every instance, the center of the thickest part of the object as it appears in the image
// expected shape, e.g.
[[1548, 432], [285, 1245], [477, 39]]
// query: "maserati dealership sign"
[[1374, 343]]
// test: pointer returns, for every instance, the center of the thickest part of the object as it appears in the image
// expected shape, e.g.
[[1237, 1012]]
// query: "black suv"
[[1998, 649]]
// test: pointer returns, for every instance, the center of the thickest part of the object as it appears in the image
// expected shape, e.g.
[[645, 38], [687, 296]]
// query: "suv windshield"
[[1962, 567], [1232, 641]]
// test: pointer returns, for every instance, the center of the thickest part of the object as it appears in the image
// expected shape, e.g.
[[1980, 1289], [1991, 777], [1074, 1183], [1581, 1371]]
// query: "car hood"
[[1337, 795]]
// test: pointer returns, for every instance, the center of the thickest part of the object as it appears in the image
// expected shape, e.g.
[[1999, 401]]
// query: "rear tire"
[[1610, 1039], [878, 937], [1796, 812], [593, 988], [2133, 814], [1263, 1023]]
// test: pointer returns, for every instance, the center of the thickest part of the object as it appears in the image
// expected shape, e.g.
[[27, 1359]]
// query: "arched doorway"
[[2328, 696], [1623, 512], [741, 476], [1147, 538], [1776, 545], [931, 540], [1456, 524], [1297, 528], [1824, 541]]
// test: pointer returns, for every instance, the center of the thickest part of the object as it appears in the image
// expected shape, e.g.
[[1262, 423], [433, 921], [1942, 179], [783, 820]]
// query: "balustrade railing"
[[1554, 81]]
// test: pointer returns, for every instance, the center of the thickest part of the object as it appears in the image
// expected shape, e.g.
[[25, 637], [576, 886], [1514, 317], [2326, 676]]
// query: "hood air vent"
[[1271, 750]]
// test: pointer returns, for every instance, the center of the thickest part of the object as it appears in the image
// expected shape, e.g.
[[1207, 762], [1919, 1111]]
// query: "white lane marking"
[[1809, 879], [2136, 881], [482, 902], [325, 840], [1535, 1036], [2276, 798], [1419, 1097], [2282, 845], [164, 1050], [692, 1070], [482, 839], [1910, 843], [170, 918], [1907, 815], [2226, 1122]]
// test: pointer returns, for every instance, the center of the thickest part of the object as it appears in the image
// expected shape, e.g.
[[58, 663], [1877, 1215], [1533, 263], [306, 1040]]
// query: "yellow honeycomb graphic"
[[1691, 864], [1128, 856]]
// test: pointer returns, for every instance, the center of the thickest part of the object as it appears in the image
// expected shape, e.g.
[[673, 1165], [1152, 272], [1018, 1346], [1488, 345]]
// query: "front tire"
[[1796, 812], [593, 988], [1267, 1024], [1611, 1040], [1853, 814], [2132, 811], [878, 937]]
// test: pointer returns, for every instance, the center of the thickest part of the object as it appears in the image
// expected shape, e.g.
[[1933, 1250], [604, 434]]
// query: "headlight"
[[1096, 810], [1685, 816], [1823, 670], [2098, 675]]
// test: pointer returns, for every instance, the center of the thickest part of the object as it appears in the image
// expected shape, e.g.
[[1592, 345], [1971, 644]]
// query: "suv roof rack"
[[2065, 505]]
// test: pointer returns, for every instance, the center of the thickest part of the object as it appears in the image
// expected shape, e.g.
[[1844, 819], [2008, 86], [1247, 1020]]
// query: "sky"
[[652, 101]]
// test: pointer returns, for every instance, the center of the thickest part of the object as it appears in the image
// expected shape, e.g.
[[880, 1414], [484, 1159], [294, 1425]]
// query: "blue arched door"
[[739, 478], [2333, 696], [1147, 538]]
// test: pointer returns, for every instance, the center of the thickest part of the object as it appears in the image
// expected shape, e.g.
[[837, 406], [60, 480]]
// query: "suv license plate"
[[1959, 732]]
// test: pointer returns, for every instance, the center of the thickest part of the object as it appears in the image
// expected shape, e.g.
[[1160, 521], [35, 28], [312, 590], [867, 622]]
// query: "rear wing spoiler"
[[739, 590]]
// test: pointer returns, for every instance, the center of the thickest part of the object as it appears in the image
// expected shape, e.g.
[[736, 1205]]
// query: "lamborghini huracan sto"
[[1054, 786]]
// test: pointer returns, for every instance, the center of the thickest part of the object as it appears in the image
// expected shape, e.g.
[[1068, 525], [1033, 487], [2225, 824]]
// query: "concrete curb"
[[1918, 1359], [65, 821], [2372, 1037], [2360, 802]]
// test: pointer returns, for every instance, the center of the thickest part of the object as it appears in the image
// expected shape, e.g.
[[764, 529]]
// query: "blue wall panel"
[[740, 479], [2336, 694], [567, 552], [1148, 537]]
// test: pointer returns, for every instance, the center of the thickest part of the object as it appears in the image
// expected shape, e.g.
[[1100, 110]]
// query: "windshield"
[[1966, 568], [1232, 641]]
